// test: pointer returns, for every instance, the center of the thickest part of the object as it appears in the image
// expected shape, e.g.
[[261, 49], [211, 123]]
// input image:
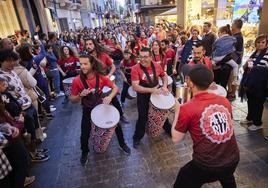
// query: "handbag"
[[41, 95]]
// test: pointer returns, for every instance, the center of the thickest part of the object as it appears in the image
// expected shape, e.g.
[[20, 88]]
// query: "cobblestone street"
[[153, 165]]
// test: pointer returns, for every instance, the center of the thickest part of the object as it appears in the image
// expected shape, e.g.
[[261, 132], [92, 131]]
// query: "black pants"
[[221, 75], [143, 107], [115, 102], [194, 176], [5, 182], [124, 92], [255, 109], [18, 158], [31, 121], [86, 128]]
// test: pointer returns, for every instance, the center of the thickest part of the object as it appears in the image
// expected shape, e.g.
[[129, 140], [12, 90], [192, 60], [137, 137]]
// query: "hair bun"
[[228, 26]]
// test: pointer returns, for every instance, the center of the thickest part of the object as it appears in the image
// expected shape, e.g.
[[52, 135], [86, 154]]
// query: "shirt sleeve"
[[107, 82], [159, 70], [183, 121], [108, 60], [75, 87], [135, 74]]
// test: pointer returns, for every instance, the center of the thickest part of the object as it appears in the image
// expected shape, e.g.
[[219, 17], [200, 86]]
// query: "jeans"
[[86, 128], [124, 92], [19, 159], [56, 79], [31, 121], [143, 108], [193, 175], [255, 109]]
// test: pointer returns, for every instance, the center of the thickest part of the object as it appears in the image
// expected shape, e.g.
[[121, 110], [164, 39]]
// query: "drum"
[[104, 119], [67, 84], [159, 109], [112, 78], [170, 81], [106, 91], [131, 93], [217, 89]]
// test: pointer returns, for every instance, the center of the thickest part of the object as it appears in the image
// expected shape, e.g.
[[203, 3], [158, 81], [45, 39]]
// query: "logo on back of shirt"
[[216, 123]]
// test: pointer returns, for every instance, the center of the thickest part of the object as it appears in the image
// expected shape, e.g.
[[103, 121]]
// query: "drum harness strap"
[[86, 86], [151, 83]]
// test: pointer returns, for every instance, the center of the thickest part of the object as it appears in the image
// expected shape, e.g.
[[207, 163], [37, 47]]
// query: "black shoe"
[[42, 151], [39, 157], [84, 159], [125, 149], [136, 143], [124, 120], [50, 116]]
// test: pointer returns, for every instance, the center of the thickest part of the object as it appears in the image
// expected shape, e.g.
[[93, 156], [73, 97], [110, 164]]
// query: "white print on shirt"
[[144, 77], [216, 124]]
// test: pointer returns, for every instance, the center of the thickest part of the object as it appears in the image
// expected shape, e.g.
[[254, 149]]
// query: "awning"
[[169, 12]]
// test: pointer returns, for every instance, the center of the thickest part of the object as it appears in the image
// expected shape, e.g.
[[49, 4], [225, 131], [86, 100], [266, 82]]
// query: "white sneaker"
[[254, 127], [60, 94], [245, 121], [52, 109]]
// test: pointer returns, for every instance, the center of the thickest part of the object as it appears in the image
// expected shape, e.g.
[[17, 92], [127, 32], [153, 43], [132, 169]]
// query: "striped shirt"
[[264, 60]]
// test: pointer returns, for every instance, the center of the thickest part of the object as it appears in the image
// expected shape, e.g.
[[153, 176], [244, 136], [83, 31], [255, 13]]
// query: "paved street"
[[154, 165]]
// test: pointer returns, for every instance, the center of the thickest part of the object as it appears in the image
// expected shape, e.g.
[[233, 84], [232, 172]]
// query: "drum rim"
[[219, 88], [131, 89], [65, 80], [116, 115], [108, 90], [166, 108], [169, 78]]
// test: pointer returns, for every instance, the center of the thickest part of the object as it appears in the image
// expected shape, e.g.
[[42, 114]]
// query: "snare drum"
[[159, 109], [217, 89], [67, 84], [103, 126], [131, 93]]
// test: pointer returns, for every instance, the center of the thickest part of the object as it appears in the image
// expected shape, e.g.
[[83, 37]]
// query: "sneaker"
[[125, 149], [254, 127], [84, 159], [124, 120], [136, 143], [40, 157], [50, 116], [43, 137], [265, 137], [42, 151], [60, 94], [51, 106], [52, 109], [29, 180], [44, 128], [245, 121]]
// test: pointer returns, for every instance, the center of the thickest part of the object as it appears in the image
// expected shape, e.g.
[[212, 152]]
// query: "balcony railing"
[[158, 3]]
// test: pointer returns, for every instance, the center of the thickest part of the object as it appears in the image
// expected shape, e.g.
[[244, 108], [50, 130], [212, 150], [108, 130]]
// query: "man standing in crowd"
[[208, 38], [208, 118], [144, 76]]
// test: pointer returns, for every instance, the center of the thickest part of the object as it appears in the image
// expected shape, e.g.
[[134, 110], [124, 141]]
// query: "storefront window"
[[8, 19]]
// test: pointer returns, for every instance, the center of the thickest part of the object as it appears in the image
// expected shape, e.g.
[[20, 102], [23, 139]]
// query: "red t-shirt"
[[143, 42], [170, 54], [137, 73], [106, 60], [68, 64], [208, 118], [77, 85], [126, 64], [157, 59], [204, 60]]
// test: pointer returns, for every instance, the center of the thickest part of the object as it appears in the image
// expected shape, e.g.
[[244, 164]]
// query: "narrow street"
[[154, 165]]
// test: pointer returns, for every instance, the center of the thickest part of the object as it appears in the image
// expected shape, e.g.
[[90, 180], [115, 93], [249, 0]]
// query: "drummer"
[[125, 69], [93, 48], [208, 118], [91, 97], [144, 78]]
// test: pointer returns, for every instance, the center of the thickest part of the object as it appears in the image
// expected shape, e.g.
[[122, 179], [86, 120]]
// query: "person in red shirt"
[[170, 55], [143, 42], [208, 119], [199, 56], [126, 64], [108, 68], [144, 77], [91, 97], [158, 56]]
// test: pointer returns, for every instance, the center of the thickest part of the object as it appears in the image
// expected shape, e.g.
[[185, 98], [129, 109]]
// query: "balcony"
[[149, 4]]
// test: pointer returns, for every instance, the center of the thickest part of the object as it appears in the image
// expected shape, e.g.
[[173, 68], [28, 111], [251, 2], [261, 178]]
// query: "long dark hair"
[[24, 52], [226, 29], [161, 53], [96, 65], [71, 52], [97, 47]]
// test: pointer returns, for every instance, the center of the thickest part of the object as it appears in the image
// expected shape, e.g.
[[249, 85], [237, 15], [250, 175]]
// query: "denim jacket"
[[223, 46]]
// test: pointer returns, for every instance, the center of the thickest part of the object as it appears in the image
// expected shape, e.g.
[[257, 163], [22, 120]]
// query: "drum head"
[[68, 80], [106, 89], [218, 90], [112, 78], [164, 102], [131, 92], [169, 81], [105, 116]]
